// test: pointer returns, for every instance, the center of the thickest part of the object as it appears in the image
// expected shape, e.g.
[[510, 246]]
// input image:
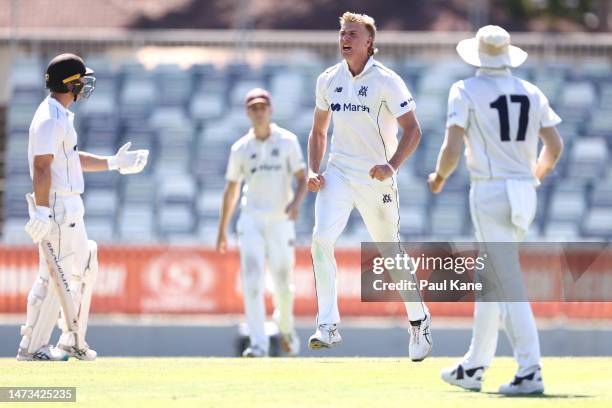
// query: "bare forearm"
[[450, 152], [317, 143], [406, 146], [546, 162], [41, 183], [448, 159], [92, 163], [300, 190], [230, 199], [551, 152]]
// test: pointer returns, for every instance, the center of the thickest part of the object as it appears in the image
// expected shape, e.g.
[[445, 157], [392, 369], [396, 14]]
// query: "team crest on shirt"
[[363, 91], [386, 198], [274, 152]]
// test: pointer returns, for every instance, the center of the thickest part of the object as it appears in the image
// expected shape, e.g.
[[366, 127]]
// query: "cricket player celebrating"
[[367, 101], [56, 216], [267, 158], [500, 118]]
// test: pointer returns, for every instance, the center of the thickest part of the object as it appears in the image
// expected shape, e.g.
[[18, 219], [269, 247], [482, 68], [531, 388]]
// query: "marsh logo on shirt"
[[349, 107], [405, 103]]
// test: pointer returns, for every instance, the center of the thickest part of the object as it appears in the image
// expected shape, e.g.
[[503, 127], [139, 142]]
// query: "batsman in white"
[[500, 118], [266, 159], [367, 102], [56, 212]]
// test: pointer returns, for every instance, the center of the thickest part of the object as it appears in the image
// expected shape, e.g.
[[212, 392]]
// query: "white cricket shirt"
[[502, 116], [52, 132], [364, 110], [267, 168]]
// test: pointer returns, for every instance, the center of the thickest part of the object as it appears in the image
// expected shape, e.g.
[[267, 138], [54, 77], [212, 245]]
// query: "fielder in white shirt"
[[368, 103], [56, 211], [267, 159], [500, 118]]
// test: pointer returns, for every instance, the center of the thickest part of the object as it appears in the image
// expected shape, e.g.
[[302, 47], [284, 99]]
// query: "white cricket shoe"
[[254, 351], [470, 379], [290, 343], [420, 340], [529, 384], [45, 353], [326, 336], [85, 353]]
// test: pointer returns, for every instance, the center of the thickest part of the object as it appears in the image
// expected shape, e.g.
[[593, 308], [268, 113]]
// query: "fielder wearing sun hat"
[[491, 48]]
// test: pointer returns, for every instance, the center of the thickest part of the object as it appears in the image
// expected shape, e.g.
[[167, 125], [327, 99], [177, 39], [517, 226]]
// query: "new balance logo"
[[363, 91], [338, 89], [386, 198]]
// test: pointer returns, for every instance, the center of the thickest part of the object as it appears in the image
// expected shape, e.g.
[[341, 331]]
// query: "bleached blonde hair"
[[364, 19]]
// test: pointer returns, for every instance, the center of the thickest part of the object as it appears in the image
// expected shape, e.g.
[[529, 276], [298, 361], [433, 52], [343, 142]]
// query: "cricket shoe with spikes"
[[469, 379], [45, 353], [326, 336], [84, 353], [420, 339], [527, 385]]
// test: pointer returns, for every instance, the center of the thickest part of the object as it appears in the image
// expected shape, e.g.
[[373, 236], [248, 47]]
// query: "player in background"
[[56, 209], [266, 159], [367, 102], [500, 118]]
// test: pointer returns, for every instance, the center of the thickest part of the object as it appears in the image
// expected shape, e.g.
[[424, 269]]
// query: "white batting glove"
[[39, 225], [128, 162]]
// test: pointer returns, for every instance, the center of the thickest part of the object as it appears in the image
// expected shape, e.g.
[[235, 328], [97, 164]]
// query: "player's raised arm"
[[125, 161], [549, 156], [317, 143], [448, 158]]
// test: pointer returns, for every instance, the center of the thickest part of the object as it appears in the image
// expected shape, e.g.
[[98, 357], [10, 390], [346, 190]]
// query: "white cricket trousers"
[[263, 239], [69, 240], [494, 204], [378, 205]]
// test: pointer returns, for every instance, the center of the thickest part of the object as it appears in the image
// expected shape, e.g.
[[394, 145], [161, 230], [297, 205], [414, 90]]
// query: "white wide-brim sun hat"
[[491, 48]]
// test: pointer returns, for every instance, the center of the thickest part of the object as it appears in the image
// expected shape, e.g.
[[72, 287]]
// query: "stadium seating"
[[189, 118]]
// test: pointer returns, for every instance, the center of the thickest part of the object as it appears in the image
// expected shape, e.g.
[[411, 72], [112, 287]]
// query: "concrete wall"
[[221, 341]]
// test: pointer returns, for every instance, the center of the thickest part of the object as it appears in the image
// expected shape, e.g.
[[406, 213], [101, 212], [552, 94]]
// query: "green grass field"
[[354, 382]]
